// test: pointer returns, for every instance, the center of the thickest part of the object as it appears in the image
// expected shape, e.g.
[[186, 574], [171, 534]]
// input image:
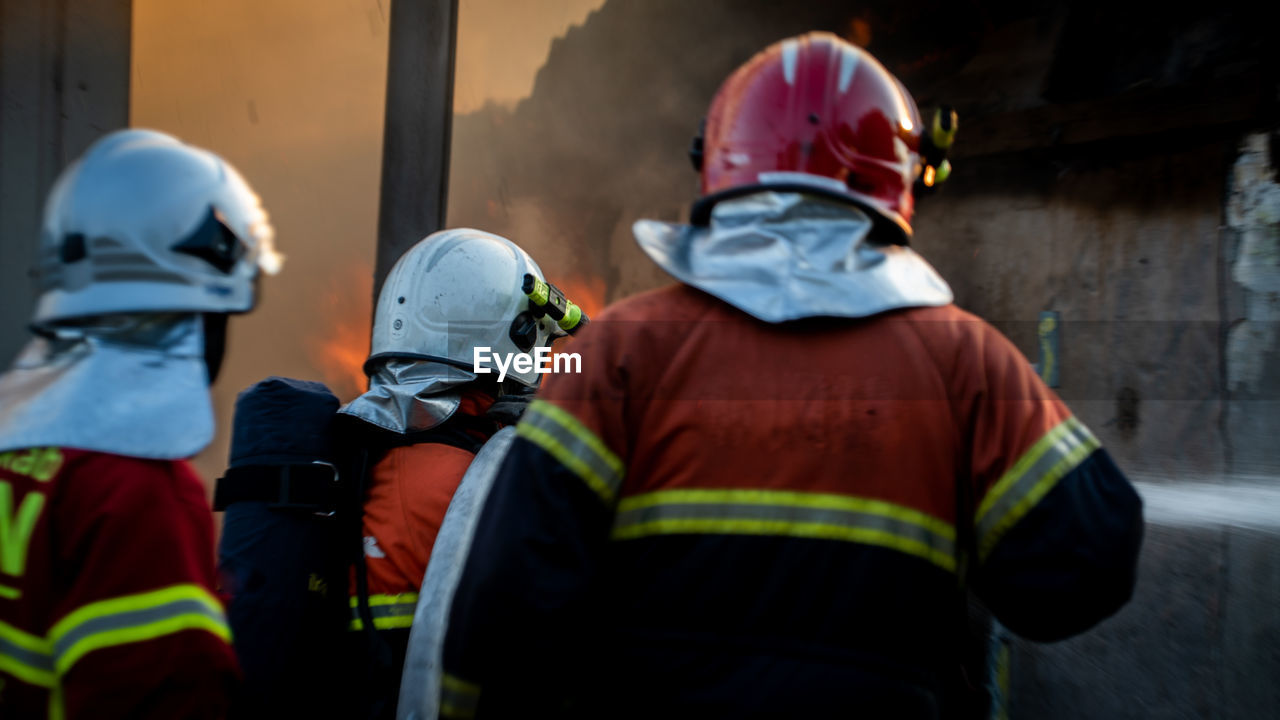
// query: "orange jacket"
[[408, 493], [721, 516]]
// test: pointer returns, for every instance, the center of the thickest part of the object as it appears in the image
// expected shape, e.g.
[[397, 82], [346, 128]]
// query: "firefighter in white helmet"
[[107, 605], [428, 411]]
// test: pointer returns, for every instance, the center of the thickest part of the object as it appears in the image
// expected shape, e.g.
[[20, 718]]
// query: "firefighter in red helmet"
[[764, 492]]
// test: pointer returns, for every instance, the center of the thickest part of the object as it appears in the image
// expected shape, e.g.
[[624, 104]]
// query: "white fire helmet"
[[144, 223], [453, 292]]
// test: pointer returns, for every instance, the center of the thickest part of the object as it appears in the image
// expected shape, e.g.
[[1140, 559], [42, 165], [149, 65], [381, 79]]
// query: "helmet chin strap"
[[215, 343]]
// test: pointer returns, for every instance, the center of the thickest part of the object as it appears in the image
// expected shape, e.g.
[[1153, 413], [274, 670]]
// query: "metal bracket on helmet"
[[524, 331]]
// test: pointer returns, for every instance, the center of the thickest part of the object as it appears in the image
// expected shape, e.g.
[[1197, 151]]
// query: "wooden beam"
[[417, 127]]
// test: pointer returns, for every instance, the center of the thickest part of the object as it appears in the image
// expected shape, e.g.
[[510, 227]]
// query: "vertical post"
[[64, 81], [417, 127]]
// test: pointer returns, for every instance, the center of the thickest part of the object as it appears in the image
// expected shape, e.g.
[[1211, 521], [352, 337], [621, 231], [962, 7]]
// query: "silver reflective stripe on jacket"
[[786, 256], [131, 624], [26, 657]]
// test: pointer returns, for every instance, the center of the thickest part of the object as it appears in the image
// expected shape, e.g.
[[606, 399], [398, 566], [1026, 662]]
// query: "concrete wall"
[[64, 80], [1167, 331]]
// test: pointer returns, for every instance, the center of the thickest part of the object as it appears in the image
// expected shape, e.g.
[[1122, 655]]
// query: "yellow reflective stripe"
[[570, 423], [787, 513], [567, 440], [792, 498], [388, 611], [456, 684], [458, 698], [449, 710], [134, 618], [26, 657], [1020, 468], [383, 599], [1031, 478], [384, 623], [10, 593]]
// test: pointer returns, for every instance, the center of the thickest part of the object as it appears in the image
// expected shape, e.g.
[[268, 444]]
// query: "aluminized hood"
[[132, 385], [786, 256], [410, 395]]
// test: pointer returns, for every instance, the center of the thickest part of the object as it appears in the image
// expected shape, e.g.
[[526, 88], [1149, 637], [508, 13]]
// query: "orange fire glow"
[[586, 292], [340, 352]]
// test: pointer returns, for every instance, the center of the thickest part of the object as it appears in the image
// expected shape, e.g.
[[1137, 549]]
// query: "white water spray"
[[1250, 503]]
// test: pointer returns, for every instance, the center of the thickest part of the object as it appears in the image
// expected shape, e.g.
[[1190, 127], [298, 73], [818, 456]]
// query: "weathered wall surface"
[[64, 80], [1167, 329], [1099, 174], [1127, 257], [1251, 263]]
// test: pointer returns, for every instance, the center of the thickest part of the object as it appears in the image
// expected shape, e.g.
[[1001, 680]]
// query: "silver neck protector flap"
[[785, 256], [134, 385], [410, 395]]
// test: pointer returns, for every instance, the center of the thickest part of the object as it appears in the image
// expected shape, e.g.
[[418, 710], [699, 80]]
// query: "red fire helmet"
[[815, 114]]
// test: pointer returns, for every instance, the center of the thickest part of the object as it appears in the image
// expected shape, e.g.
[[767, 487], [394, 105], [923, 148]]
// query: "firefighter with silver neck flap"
[[431, 408], [107, 604], [334, 512], [767, 489]]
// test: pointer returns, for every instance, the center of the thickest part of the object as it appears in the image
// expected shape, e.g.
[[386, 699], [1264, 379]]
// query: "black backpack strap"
[[305, 487]]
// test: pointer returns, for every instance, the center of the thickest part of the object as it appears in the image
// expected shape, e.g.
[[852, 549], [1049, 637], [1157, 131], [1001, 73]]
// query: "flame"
[[585, 292], [339, 353]]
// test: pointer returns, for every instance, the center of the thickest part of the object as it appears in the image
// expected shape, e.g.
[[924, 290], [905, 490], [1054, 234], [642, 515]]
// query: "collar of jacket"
[[785, 256], [407, 396], [133, 385]]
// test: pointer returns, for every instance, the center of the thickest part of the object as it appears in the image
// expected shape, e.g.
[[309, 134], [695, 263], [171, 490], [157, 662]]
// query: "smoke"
[[602, 140]]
